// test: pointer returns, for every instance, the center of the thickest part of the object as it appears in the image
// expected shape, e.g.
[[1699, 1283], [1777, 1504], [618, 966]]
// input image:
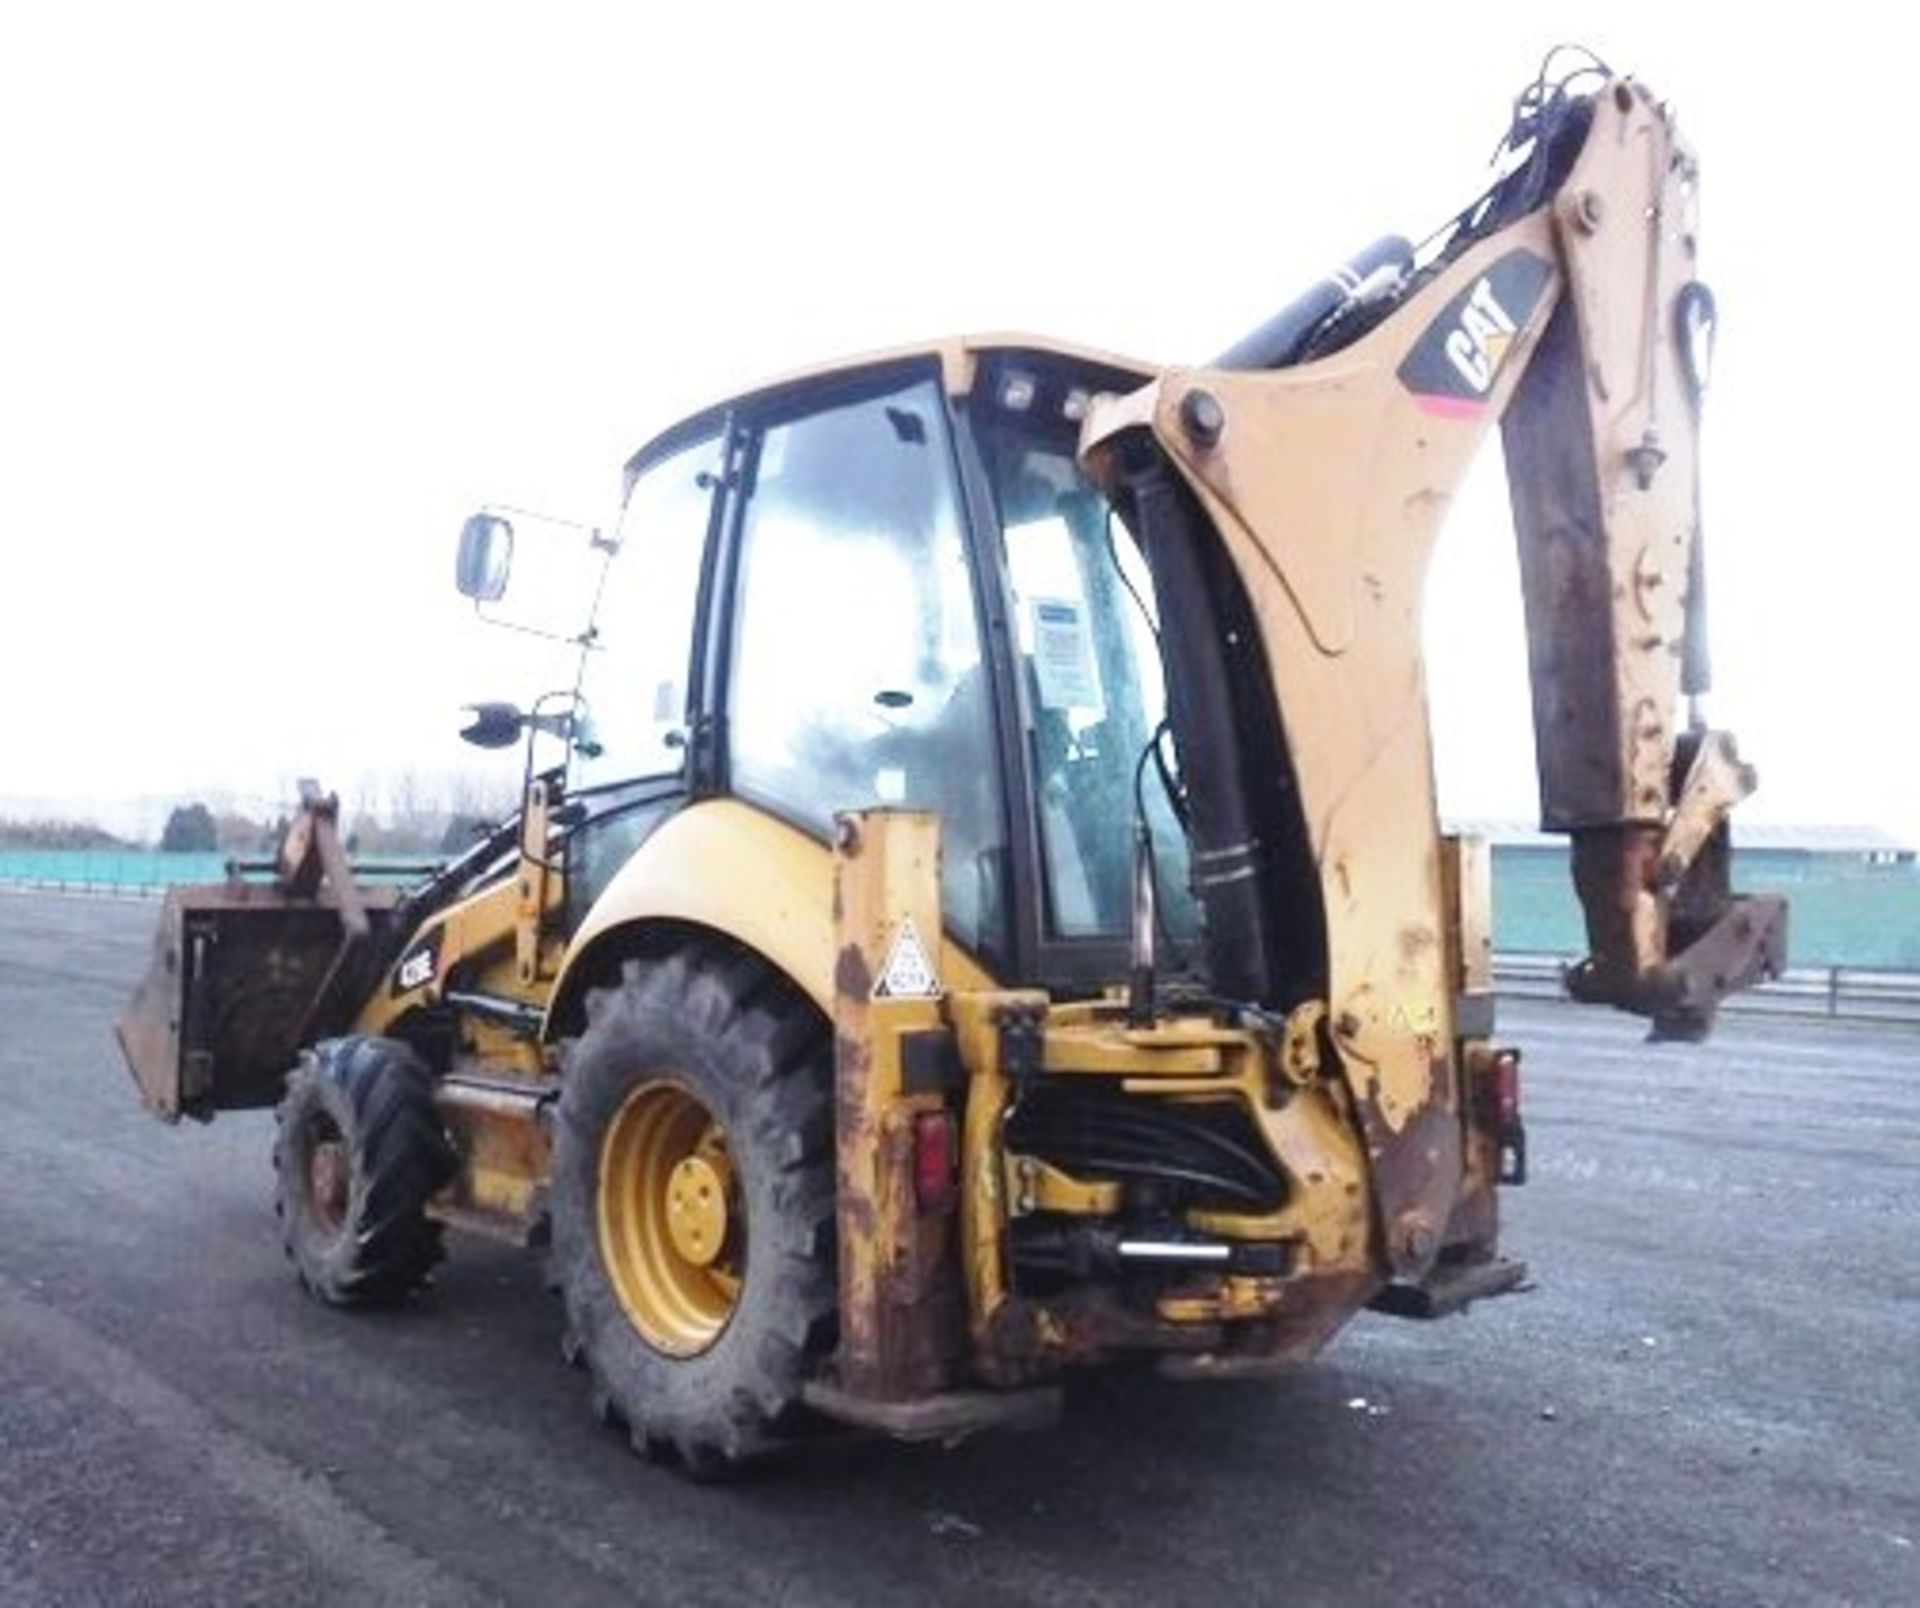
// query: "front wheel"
[[692, 1202], [359, 1152]]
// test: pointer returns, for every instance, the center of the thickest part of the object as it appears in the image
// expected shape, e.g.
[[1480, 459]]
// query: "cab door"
[[854, 674]]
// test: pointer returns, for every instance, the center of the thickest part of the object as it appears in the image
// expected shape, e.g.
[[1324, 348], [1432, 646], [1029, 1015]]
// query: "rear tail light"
[[1503, 1109], [1506, 1087], [936, 1162]]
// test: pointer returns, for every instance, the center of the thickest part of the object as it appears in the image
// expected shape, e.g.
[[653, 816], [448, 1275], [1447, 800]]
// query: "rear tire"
[[693, 1200], [359, 1152]]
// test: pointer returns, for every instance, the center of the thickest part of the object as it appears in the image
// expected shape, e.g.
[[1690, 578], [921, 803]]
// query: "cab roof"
[[958, 358]]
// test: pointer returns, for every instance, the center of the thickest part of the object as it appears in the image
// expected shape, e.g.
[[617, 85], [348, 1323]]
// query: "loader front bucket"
[[243, 974]]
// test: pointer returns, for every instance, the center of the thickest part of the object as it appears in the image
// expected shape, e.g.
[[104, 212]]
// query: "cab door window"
[[857, 676], [1086, 632]]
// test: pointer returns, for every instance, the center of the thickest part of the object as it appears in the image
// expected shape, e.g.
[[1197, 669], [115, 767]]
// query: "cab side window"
[[635, 676]]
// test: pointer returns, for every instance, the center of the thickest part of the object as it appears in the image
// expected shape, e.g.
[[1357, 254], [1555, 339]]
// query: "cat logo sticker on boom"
[[1453, 365]]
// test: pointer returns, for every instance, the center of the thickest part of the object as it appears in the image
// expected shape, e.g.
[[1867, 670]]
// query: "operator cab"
[[878, 587]]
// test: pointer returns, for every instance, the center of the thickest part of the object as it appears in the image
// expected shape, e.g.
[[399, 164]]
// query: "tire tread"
[[736, 1401], [380, 1095]]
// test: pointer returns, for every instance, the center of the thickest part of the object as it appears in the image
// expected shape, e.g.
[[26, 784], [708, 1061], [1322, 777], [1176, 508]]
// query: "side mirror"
[[495, 725], [485, 558]]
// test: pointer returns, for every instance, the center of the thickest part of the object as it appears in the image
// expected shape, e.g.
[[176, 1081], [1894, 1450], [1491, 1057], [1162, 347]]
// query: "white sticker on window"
[[1063, 656], [890, 784]]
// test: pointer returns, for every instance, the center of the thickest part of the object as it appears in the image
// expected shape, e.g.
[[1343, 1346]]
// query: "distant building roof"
[[1746, 835]]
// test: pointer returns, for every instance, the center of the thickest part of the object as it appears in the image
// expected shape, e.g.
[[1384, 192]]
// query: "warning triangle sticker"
[[908, 973]]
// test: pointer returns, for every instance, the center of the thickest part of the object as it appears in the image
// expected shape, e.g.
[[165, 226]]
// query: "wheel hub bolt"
[[697, 1210]]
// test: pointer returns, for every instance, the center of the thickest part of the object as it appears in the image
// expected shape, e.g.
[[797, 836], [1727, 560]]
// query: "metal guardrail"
[[89, 890], [1850, 993], [156, 885]]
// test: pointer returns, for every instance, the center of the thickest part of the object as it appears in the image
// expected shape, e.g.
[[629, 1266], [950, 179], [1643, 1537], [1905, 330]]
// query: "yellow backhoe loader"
[[985, 913]]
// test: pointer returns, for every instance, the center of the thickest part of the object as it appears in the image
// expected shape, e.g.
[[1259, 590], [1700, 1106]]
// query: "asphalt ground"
[[1711, 1394]]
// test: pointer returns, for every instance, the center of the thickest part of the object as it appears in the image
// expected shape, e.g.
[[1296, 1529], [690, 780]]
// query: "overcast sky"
[[284, 294]]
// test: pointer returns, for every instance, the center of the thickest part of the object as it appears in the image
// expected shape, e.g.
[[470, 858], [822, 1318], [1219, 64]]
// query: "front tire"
[[693, 1203], [359, 1152]]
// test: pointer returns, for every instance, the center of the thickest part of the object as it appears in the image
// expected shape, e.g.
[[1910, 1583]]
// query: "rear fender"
[[724, 867]]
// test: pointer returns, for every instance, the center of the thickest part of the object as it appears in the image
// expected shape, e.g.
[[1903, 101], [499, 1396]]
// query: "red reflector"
[[1504, 1084], [935, 1163]]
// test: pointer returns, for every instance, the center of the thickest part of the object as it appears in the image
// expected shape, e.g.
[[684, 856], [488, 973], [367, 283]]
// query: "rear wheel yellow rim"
[[672, 1223]]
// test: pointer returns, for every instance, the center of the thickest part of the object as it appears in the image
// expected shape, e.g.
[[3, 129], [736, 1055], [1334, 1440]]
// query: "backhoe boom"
[[1324, 450]]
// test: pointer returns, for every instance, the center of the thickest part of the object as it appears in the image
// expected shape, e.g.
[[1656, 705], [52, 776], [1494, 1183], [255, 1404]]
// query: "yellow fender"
[[733, 869]]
